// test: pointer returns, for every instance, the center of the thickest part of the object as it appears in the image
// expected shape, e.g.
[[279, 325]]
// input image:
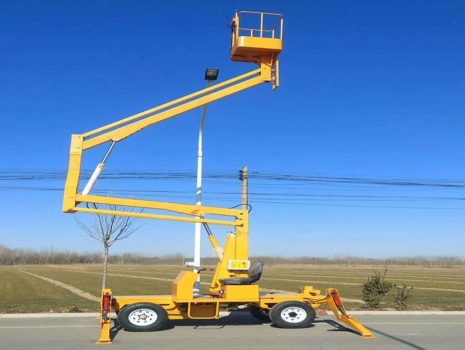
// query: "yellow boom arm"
[[118, 131], [260, 46]]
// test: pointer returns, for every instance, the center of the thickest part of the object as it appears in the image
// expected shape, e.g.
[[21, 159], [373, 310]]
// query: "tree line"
[[21, 256]]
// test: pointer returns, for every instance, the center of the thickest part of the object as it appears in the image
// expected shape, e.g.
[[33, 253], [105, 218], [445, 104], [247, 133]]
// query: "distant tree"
[[109, 229], [7, 256]]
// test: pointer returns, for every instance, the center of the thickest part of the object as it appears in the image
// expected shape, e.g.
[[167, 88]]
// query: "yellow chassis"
[[182, 304]]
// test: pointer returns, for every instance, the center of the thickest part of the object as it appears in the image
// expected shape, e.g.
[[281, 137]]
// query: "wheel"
[[144, 317], [292, 314], [260, 313]]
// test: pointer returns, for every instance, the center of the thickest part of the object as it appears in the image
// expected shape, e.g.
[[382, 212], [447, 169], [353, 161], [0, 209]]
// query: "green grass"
[[20, 292], [90, 280], [418, 278]]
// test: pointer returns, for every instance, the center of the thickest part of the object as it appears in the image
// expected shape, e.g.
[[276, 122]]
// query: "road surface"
[[240, 331]]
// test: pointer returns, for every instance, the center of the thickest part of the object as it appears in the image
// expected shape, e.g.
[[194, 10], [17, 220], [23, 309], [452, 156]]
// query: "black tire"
[[292, 314], [260, 313], [144, 317]]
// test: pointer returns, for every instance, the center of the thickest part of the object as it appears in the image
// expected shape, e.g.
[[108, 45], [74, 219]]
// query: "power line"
[[275, 198], [36, 175], [272, 188], [258, 194]]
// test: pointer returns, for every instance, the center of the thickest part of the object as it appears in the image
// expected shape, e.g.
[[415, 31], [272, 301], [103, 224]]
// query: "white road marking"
[[433, 323]]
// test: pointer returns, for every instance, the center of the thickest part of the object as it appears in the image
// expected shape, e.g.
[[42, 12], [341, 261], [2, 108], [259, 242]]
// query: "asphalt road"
[[241, 331]]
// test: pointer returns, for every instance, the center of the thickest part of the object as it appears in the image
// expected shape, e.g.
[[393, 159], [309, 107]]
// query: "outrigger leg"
[[334, 301], [105, 319]]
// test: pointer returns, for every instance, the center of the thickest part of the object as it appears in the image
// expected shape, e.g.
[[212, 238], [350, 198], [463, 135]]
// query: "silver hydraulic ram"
[[98, 170]]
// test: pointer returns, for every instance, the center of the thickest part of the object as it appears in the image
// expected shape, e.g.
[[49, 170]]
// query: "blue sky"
[[369, 89]]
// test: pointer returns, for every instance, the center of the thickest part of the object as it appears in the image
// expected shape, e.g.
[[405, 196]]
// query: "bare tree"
[[109, 229]]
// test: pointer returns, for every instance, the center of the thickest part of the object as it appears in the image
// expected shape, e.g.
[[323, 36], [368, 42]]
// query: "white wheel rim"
[[293, 314], [143, 317]]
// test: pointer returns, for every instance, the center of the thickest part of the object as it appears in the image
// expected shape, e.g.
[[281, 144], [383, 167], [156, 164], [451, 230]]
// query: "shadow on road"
[[233, 319], [115, 329], [413, 346], [340, 328], [337, 326]]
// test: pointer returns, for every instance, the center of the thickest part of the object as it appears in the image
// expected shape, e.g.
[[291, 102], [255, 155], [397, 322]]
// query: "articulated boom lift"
[[233, 279]]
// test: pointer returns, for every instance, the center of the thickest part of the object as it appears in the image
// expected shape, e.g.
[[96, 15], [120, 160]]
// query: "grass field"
[[434, 288]]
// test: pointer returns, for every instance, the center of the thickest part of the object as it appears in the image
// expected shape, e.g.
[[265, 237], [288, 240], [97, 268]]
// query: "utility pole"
[[244, 177]]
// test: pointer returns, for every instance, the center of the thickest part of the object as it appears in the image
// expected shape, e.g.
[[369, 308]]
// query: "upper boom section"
[[261, 46]]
